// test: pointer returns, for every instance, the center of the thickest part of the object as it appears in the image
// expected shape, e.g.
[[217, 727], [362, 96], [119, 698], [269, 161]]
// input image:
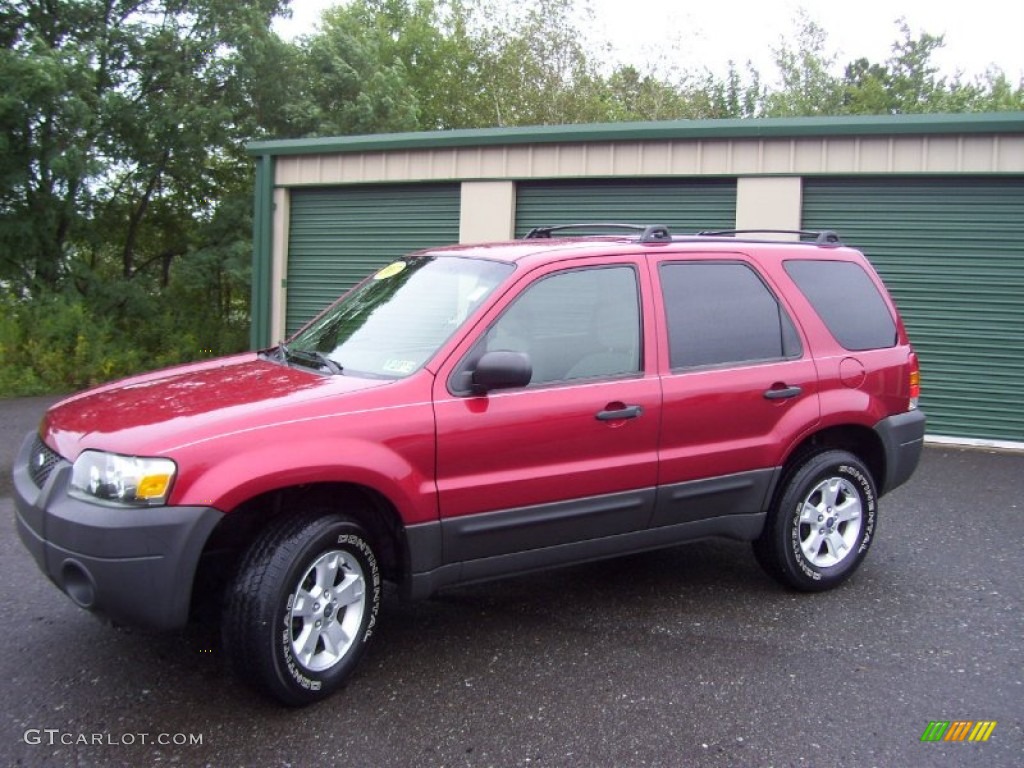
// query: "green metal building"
[[935, 201]]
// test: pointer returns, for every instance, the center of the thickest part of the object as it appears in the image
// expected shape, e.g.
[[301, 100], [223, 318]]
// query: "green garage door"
[[951, 251], [682, 205], [337, 236]]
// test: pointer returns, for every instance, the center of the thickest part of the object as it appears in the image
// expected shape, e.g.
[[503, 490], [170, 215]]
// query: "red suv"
[[472, 412]]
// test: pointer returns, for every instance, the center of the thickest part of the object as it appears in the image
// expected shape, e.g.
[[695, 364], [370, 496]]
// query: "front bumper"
[[133, 565]]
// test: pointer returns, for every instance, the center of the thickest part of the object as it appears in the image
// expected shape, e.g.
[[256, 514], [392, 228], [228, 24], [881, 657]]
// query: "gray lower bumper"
[[903, 438], [133, 565]]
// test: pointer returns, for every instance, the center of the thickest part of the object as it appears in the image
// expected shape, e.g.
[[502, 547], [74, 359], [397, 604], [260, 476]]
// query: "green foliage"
[[121, 173], [808, 85], [62, 342]]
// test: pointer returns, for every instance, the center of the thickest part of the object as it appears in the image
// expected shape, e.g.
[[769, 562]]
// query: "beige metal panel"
[[739, 157], [565, 156], [419, 165], [777, 157], [841, 156], [1009, 154], [656, 159], [493, 163], [909, 155], [600, 161], [746, 157], [715, 158], [941, 154], [487, 211], [471, 163], [279, 264], [769, 202], [628, 159]]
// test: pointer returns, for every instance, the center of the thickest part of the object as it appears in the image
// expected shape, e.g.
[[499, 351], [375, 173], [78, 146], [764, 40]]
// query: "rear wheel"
[[303, 606], [822, 524]]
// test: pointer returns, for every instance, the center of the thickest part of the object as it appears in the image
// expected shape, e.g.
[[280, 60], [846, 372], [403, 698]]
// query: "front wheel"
[[303, 606], [822, 524]]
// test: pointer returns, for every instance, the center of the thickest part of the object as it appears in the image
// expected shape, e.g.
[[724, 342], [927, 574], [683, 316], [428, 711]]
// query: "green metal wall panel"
[[339, 235], [683, 205], [951, 251]]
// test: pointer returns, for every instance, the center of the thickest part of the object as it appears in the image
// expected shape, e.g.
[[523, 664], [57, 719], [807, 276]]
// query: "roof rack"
[[659, 233], [653, 233], [824, 237]]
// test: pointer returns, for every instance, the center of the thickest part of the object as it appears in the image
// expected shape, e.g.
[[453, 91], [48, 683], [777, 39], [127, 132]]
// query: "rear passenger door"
[[739, 387]]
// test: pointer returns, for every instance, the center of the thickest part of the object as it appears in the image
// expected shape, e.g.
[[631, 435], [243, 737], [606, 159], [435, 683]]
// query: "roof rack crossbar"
[[651, 233], [544, 232], [823, 237]]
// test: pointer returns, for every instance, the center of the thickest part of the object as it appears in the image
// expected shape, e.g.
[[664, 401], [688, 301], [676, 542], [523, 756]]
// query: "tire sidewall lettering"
[[292, 665], [372, 574]]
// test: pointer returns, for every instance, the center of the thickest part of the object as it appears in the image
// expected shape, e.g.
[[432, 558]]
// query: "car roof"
[[544, 249]]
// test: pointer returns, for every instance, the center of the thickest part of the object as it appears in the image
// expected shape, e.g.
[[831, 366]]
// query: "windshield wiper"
[[309, 355]]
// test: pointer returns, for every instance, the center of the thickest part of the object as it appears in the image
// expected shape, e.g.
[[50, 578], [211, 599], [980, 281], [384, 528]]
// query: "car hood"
[[156, 412]]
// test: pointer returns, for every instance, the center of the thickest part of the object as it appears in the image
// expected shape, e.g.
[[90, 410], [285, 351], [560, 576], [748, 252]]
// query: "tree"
[[379, 65], [808, 86], [909, 83], [124, 124], [119, 121]]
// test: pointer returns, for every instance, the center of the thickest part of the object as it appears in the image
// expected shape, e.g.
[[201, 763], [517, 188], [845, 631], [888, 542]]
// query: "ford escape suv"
[[471, 412]]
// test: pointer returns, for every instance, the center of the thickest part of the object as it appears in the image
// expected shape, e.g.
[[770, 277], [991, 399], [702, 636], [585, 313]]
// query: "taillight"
[[915, 381]]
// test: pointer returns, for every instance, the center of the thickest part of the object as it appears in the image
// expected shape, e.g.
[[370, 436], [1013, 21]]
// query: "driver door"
[[572, 457]]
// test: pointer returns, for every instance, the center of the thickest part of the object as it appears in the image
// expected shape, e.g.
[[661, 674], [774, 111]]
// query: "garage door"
[[337, 236], [682, 205], [952, 252]]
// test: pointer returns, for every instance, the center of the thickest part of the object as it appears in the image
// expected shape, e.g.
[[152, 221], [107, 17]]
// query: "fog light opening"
[[78, 584]]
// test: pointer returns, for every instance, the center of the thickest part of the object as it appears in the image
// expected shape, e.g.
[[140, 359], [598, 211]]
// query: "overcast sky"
[[978, 33]]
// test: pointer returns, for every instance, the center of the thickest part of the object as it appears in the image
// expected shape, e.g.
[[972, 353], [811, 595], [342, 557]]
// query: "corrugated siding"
[[682, 205], [951, 251], [337, 236]]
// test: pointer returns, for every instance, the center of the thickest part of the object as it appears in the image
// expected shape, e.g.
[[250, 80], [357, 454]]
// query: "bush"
[[62, 343]]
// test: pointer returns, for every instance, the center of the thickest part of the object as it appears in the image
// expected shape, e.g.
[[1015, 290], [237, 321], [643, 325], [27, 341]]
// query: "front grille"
[[41, 462]]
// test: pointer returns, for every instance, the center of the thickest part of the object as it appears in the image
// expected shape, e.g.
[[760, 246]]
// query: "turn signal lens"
[[153, 487], [915, 382]]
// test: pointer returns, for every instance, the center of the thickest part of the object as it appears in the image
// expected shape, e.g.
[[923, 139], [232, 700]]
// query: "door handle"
[[617, 414], [781, 392]]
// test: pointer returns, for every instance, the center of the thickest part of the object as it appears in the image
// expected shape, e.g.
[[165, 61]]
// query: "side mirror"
[[502, 369]]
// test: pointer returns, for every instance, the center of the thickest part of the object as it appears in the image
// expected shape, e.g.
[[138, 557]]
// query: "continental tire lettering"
[[798, 553], [358, 543], [869, 503], [289, 659]]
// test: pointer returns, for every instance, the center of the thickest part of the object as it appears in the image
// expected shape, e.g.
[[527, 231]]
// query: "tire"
[[822, 523], [281, 634]]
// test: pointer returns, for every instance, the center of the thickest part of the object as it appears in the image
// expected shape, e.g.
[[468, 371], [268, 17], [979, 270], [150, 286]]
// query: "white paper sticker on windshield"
[[399, 366]]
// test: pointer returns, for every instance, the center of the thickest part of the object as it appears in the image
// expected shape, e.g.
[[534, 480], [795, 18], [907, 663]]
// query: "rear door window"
[[720, 313]]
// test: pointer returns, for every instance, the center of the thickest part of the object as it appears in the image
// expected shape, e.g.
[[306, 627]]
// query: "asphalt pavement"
[[685, 657]]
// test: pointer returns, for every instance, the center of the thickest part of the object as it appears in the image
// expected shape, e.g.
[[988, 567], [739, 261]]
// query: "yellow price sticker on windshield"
[[390, 270]]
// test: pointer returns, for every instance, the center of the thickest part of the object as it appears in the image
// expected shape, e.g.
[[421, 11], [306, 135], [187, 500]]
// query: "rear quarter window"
[[848, 302]]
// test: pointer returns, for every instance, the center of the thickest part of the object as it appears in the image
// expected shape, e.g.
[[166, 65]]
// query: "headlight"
[[124, 479]]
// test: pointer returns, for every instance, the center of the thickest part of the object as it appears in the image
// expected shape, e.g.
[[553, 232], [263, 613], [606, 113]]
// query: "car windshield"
[[394, 322]]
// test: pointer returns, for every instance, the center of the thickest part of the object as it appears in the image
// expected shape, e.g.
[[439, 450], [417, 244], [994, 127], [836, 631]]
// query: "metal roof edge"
[[753, 128]]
